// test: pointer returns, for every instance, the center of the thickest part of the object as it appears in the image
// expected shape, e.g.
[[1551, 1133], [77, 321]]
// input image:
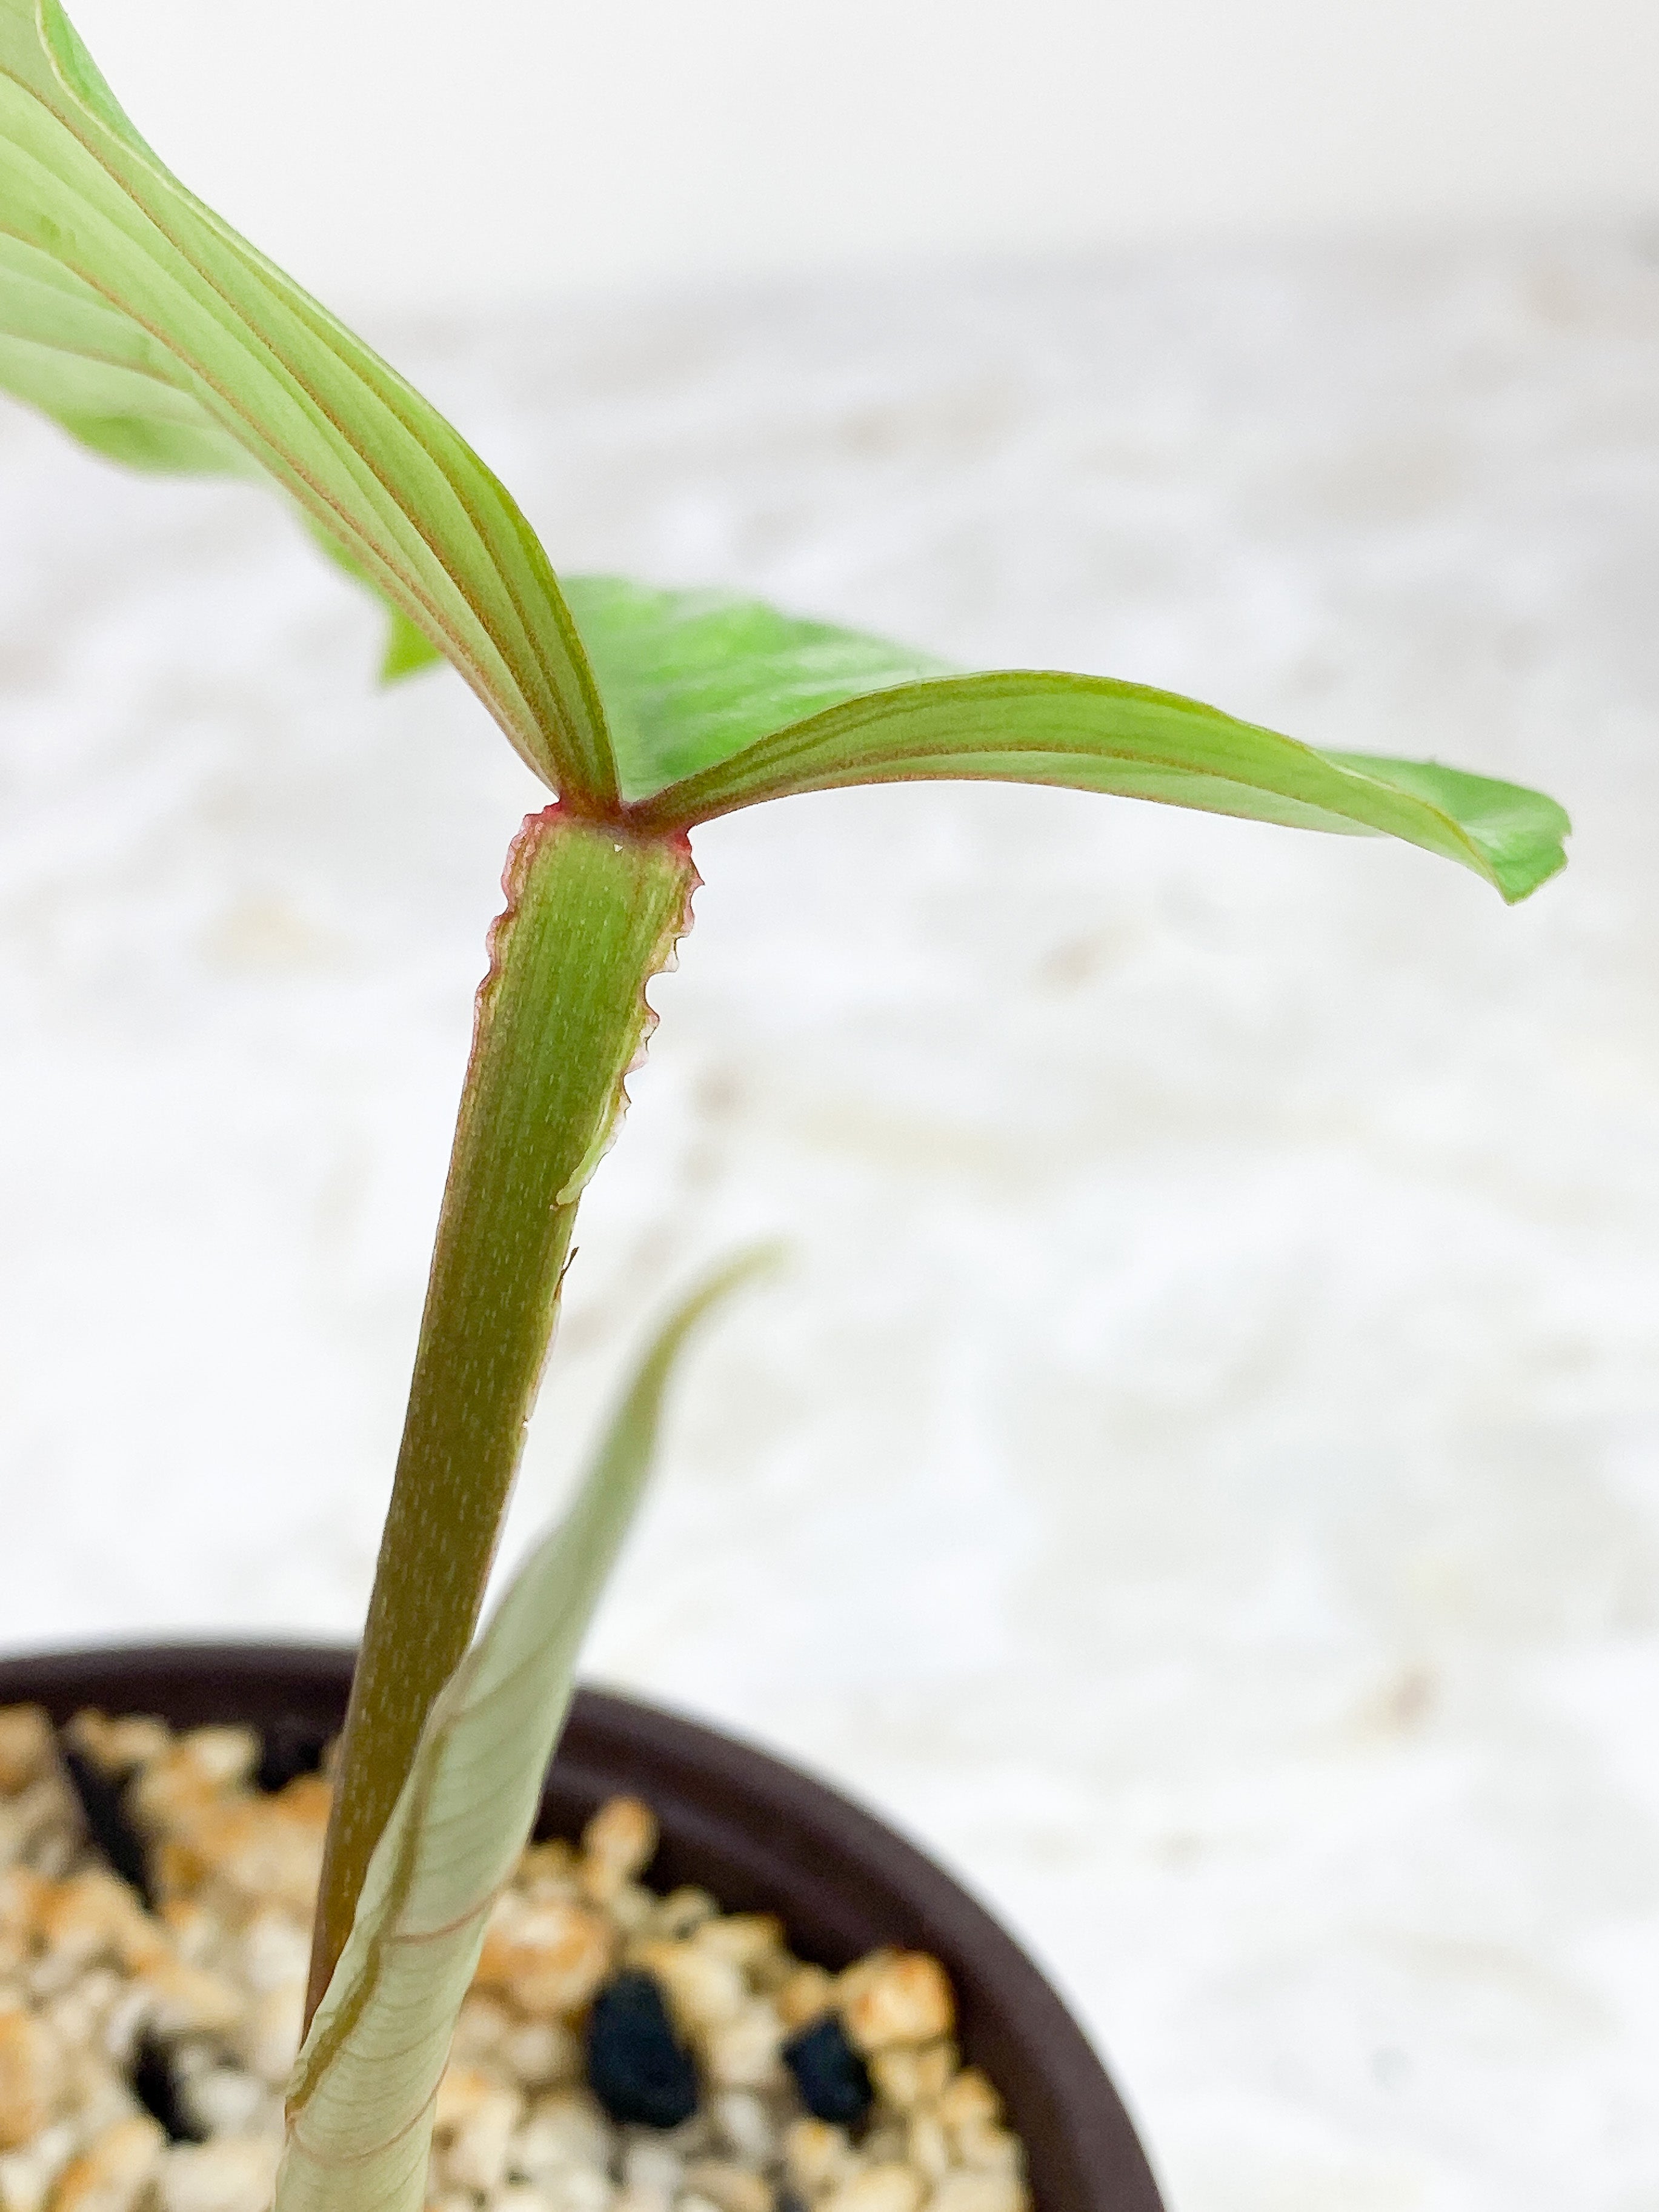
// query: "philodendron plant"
[[156, 336]]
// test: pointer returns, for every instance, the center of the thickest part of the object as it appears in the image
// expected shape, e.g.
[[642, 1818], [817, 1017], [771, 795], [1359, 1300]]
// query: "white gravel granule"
[[208, 1987]]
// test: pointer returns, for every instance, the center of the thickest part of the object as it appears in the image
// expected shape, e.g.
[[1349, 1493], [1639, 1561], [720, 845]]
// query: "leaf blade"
[[690, 677], [145, 269], [361, 2096], [655, 657]]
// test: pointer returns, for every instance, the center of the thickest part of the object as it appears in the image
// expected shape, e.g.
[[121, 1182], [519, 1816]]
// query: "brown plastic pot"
[[756, 1834]]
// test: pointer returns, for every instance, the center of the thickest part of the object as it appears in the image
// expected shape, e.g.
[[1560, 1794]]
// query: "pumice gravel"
[[620, 2051]]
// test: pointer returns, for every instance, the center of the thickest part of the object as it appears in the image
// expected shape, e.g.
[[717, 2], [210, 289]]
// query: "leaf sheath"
[[591, 916]]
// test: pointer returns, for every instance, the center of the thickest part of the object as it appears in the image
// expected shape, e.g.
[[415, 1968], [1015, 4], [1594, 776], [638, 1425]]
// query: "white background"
[[401, 151]]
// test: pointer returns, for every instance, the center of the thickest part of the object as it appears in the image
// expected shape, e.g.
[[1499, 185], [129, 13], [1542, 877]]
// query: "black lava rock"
[[833, 2081], [155, 2086], [108, 1824], [637, 2067], [289, 1747]]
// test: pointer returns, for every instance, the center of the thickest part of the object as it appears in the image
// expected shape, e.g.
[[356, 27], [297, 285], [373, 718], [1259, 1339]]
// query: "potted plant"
[[152, 333]]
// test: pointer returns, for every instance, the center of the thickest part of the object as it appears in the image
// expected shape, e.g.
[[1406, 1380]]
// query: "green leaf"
[[359, 2101], [690, 677], [740, 704], [145, 325], [68, 352], [406, 650]]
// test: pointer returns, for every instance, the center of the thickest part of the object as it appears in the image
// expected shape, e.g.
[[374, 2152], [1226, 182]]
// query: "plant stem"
[[592, 914]]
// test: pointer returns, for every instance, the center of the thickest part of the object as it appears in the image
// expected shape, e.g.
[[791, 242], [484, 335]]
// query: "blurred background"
[[427, 155], [1202, 1473]]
